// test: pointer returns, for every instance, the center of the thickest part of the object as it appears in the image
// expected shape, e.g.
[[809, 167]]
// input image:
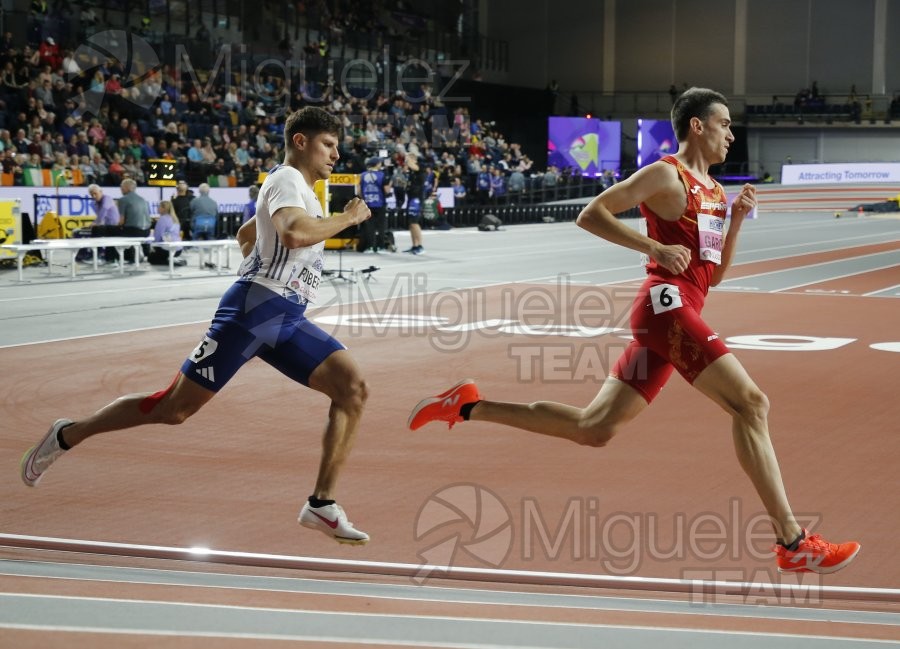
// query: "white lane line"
[[138, 615], [111, 291], [423, 572], [440, 594], [310, 309], [749, 251], [108, 333], [834, 277], [895, 287], [815, 265]]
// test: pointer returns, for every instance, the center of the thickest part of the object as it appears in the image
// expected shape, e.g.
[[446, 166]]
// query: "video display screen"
[[655, 140], [589, 146]]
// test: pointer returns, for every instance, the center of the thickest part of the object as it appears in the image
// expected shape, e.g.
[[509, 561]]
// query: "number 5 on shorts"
[[665, 297]]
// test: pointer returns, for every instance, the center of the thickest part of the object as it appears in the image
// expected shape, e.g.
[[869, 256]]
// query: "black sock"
[[61, 441], [315, 502], [796, 544], [466, 410]]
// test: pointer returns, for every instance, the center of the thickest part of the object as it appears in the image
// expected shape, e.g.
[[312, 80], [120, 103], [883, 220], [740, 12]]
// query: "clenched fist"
[[674, 259], [357, 210]]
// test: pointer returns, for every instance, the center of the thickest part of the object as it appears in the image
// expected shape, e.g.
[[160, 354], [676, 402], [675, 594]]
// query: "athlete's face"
[[716, 133], [320, 153]]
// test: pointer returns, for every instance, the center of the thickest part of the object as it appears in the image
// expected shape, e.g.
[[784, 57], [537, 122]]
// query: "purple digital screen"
[[589, 146], [656, 139]]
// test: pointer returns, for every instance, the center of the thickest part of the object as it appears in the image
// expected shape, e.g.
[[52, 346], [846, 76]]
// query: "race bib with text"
[[711, 230]]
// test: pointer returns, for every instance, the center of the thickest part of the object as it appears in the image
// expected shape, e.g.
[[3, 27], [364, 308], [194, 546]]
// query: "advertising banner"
[[843, 172]]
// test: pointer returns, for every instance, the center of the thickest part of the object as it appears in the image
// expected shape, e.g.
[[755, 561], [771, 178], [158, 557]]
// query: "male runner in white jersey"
[[262, 314]]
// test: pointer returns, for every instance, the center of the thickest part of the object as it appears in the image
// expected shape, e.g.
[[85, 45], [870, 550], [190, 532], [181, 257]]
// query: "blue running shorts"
[[254, 321]]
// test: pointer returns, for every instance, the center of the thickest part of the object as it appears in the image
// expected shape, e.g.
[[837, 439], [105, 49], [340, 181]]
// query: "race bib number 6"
[[665, 297]]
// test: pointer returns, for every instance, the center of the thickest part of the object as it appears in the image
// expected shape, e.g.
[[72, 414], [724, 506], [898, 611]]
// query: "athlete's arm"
[[297, 229], [246, 236], [740, 208], [658, 181]]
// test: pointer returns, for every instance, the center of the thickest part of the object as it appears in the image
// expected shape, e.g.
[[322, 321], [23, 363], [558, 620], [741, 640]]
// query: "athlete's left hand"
[[745, 202]]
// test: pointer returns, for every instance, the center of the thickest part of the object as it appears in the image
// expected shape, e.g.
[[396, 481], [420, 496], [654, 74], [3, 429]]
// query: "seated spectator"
[[87, 170], [204, 215], [116, 170], [207, 152], [48, 53], [148, 148], [44, 93], [108, 222], [96, 131], [232, 101], [167, 228], [113, 86], [195, 153], [459, 191], [70, 65], [132, 169]]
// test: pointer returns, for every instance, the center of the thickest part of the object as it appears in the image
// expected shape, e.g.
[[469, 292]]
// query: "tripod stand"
[[340, 271]]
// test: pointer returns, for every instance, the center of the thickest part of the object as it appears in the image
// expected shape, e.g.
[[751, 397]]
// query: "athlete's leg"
[[726, 382], [171, 406], [339, 378], [634, 381], [616, 404]]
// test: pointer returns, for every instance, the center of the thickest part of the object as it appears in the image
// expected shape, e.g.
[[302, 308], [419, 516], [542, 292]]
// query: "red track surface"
[[234, 476]]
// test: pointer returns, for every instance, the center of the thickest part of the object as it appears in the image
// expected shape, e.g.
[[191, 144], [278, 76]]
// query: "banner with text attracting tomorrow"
[[842, 173]]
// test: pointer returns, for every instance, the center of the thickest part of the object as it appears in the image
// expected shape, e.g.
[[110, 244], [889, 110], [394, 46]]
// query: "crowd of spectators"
[[93, 121]]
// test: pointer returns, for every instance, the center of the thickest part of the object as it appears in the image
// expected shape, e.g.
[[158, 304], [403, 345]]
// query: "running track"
[[491, 306]]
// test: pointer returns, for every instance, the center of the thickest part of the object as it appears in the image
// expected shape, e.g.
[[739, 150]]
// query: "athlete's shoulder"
[[659, 174], [283, 171]]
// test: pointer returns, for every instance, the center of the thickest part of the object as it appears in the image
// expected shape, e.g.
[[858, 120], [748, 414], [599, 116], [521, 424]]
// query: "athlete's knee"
[[176, 411], [353, 394], [596, 432], [753, 405], [171, 406]]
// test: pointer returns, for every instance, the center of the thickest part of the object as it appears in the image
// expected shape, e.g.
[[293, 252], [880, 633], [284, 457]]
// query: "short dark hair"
[[310, 121], [693, 102]]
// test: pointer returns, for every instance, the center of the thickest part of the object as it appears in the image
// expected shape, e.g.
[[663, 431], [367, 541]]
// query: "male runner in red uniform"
[[689, 252]]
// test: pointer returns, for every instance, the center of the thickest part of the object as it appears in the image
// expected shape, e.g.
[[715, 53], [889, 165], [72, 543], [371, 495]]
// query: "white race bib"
[[711, 230], [306, 275], [665, 297]]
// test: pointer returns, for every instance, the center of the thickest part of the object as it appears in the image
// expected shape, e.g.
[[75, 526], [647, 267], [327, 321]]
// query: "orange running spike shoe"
[[815, 554], [445, 406]]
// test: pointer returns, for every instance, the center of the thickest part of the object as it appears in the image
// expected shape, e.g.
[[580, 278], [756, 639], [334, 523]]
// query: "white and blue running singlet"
[[286, 272], [263, 314]]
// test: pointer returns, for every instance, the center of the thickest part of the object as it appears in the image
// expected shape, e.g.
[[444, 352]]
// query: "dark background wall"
[[789, 44]]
